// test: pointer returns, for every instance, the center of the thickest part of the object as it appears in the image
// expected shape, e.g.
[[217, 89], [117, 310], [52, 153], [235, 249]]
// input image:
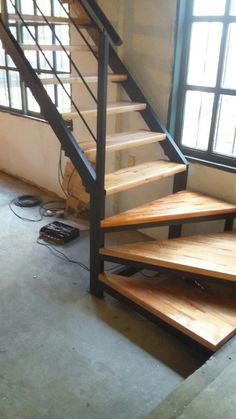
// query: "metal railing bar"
[[59, 80]]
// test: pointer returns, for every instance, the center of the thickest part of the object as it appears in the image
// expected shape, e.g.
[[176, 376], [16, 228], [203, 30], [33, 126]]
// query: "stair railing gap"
[[52, 69], [66, 138], [72, 20]]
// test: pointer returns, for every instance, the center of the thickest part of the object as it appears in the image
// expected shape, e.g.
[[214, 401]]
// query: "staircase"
[[199, 257]]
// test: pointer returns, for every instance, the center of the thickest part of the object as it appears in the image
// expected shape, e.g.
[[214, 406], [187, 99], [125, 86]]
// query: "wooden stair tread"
[[181, 205], [89, 78], [55, 47], [123, 141], [112, 108], [141, 174], [197, 313], [210, 255], [51, 19]]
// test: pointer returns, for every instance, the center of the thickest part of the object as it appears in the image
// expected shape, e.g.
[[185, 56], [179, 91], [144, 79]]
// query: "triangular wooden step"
[[141, 174], [51, 19], [210, 255], [56, 47], [112, 109], [89, 78], [179, 206], [207, 315], [123, 141]]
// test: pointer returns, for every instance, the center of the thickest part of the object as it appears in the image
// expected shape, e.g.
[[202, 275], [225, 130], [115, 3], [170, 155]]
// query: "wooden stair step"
[[210, 255], [89, 78], [141, 174], [112, 109], [56, 47], [178, 206], [51, 19], [123, 141], [206, 316]]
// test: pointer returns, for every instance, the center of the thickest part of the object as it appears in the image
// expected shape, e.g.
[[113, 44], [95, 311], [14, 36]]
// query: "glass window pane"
[[26, 34], [225, 136], [204, 53], [4, 99], [2, 55], [197, 119], [44, 35], [32, 104], [15, 90], [63, 63], [46, 60], [10, 8], [59, 10], [209, 7], [62, 32], [233, 8], [27, 7], [229, 75], [44, 7], [64, 101]]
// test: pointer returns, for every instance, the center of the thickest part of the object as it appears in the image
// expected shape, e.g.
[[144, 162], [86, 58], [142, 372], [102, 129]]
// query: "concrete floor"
[[65, 354]]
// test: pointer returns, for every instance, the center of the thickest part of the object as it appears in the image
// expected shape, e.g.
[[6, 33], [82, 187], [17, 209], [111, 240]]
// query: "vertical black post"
[[97, 200], [180, 183]]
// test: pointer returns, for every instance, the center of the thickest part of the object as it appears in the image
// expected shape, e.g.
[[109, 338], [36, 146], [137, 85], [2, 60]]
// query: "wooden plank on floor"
[[174, 302]]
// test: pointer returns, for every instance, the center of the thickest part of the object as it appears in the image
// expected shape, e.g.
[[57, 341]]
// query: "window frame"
[[25, 111], [184, 22]]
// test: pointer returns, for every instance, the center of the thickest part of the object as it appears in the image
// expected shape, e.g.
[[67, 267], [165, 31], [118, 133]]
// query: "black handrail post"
[[97, 204]]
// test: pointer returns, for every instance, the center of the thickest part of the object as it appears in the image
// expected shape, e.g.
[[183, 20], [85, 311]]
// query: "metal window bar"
[[53, 71]]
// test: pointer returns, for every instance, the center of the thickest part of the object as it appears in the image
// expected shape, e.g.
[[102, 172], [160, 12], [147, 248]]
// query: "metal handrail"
[[101, 21]]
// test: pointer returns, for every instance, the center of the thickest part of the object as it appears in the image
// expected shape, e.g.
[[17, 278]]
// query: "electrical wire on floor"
[[62, 255]]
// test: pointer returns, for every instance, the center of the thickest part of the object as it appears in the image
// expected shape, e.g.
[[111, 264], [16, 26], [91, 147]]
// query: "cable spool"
[[27, 201]]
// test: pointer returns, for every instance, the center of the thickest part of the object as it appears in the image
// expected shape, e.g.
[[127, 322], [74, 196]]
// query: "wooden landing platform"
[[205, 312], [178, 206], [211, 255]]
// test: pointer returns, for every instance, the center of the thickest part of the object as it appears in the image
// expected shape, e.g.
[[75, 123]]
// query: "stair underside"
[[179, 206], [123, 141], [211, 255], [141, 174], [89, 78], [56, 47], [207, 313], [50, 19], [112, 108]]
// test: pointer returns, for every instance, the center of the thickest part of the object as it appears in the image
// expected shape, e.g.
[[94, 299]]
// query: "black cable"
[[21, 217], [62, 255], [60, 173]]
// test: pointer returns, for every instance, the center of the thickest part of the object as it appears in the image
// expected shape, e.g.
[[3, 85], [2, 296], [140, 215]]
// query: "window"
[[203, 111], [13, 93]]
